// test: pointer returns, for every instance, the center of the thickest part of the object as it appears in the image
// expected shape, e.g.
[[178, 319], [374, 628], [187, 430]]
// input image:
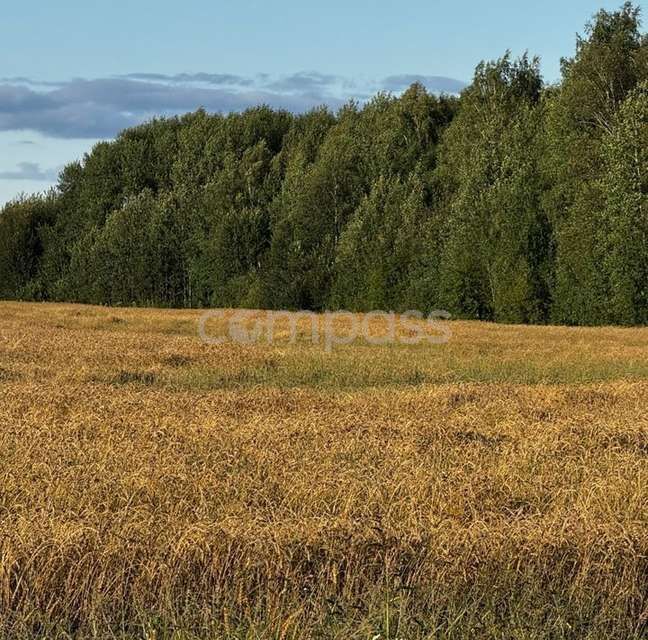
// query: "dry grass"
[[153, 486]]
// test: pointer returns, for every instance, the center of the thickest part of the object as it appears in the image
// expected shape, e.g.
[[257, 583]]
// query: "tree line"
[[515, 202]]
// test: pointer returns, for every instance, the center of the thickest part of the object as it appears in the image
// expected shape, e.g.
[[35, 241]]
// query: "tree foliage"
[[514, 202]]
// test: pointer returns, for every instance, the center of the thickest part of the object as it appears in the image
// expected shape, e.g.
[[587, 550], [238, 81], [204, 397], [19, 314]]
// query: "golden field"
[[153, 486]]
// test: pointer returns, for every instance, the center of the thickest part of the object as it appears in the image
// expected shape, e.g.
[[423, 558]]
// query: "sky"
[[75, 72]]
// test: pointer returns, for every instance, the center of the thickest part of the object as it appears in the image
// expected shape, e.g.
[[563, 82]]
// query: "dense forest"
[[515, 202]]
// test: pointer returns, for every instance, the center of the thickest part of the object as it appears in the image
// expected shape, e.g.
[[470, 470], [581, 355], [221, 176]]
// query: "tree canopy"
[[514, 202]]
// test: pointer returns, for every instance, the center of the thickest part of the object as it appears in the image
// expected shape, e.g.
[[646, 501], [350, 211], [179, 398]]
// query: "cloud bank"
[[100, 108], [30, 171]]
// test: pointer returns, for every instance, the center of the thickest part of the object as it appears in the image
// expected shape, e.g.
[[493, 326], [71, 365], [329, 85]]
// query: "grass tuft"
[[146, 378]]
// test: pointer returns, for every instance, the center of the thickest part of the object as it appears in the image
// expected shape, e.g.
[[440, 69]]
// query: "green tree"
[[581, 113], [624, 232], [380, 246], [313, 207], [22, 226], [496, 242]]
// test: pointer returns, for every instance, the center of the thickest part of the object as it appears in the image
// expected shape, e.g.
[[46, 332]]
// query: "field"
[[153, 486]]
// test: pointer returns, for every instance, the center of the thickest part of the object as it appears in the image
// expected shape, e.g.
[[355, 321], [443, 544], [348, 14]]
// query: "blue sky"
[[73, 72]]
